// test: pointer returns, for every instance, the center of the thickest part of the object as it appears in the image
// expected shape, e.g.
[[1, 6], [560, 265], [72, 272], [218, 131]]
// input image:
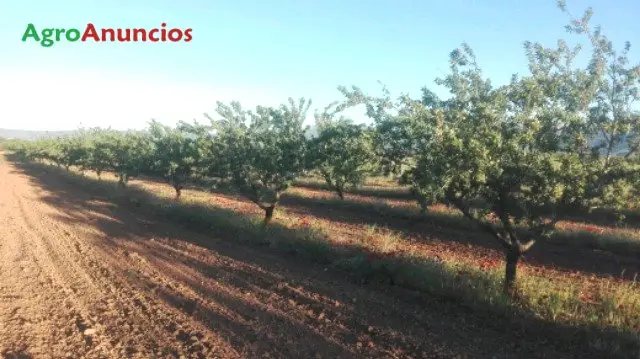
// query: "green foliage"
[[612, 115], [523, 152], [202, 141], [174, 155], [73, 150], [342, 152], [260, 151], [99, 156], [396, 136], [129, 153], [490, 146]]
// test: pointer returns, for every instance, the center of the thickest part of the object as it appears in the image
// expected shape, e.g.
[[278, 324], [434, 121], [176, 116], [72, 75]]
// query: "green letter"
[[72, 35], [58, 33], [46, 37], [30, 32]]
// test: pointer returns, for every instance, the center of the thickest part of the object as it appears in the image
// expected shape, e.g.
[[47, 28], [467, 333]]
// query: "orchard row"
[[514, 159]]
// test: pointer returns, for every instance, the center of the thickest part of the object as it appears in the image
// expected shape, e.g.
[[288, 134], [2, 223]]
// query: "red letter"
[[176, 32], [164, 32], [152, 36], [122, 37], [110, 32], [141, 32], [187, 35], [90, 31]]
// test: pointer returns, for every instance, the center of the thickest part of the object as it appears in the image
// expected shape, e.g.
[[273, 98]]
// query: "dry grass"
[[613, 239], [382, 187]]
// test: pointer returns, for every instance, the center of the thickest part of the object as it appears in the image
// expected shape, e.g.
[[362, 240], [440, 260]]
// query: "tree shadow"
[[369, 191], [617, 259], [601, 216], [16, 355], [294, 308], [441, 227]]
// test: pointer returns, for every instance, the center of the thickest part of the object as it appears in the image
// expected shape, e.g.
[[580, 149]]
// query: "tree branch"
[[524, 247], [466, 211]]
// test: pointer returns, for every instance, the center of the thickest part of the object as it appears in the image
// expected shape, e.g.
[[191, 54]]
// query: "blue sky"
[[261, 52]]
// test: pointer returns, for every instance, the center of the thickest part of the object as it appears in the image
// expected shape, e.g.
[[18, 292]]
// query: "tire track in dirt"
[[173, 281], [42, 299], [74, 279], [69, 302], [65, 262], [192, 290]]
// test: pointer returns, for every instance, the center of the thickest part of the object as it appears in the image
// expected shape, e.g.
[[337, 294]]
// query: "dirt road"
[[81, 278]]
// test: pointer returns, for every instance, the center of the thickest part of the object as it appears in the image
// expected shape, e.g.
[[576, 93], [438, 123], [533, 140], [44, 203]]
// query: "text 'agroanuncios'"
[[49, 36]]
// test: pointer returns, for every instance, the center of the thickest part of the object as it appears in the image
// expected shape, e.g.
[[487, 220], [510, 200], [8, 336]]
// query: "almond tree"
[[342, 152], [522, 152], [73, 150], [614, 119], [398, 133], [492, 152], [512, 159], [202, 140], [260, 152], [48, 149], [129, 153], [173, 155], [98, 153]]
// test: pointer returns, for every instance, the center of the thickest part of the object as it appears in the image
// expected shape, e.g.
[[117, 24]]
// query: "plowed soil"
[[82, 278]]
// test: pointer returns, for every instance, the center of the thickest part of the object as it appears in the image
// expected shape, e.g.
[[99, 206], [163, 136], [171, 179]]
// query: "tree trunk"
[[98, 173], [340, 192], [424, 204], [268, 214], [178, 192], [122, 180], [513, 256]]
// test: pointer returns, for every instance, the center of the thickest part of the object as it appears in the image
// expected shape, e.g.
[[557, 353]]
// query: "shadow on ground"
[[16, 355], [602, 217], [378, 192], [441, 228], [289, 306], [618, 259]]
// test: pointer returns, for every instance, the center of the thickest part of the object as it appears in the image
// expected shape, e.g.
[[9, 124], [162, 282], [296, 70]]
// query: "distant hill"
[[620, 150], [29, 135]]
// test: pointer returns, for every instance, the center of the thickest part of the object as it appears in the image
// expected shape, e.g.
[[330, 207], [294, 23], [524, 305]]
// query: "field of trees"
[[521, 200]]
